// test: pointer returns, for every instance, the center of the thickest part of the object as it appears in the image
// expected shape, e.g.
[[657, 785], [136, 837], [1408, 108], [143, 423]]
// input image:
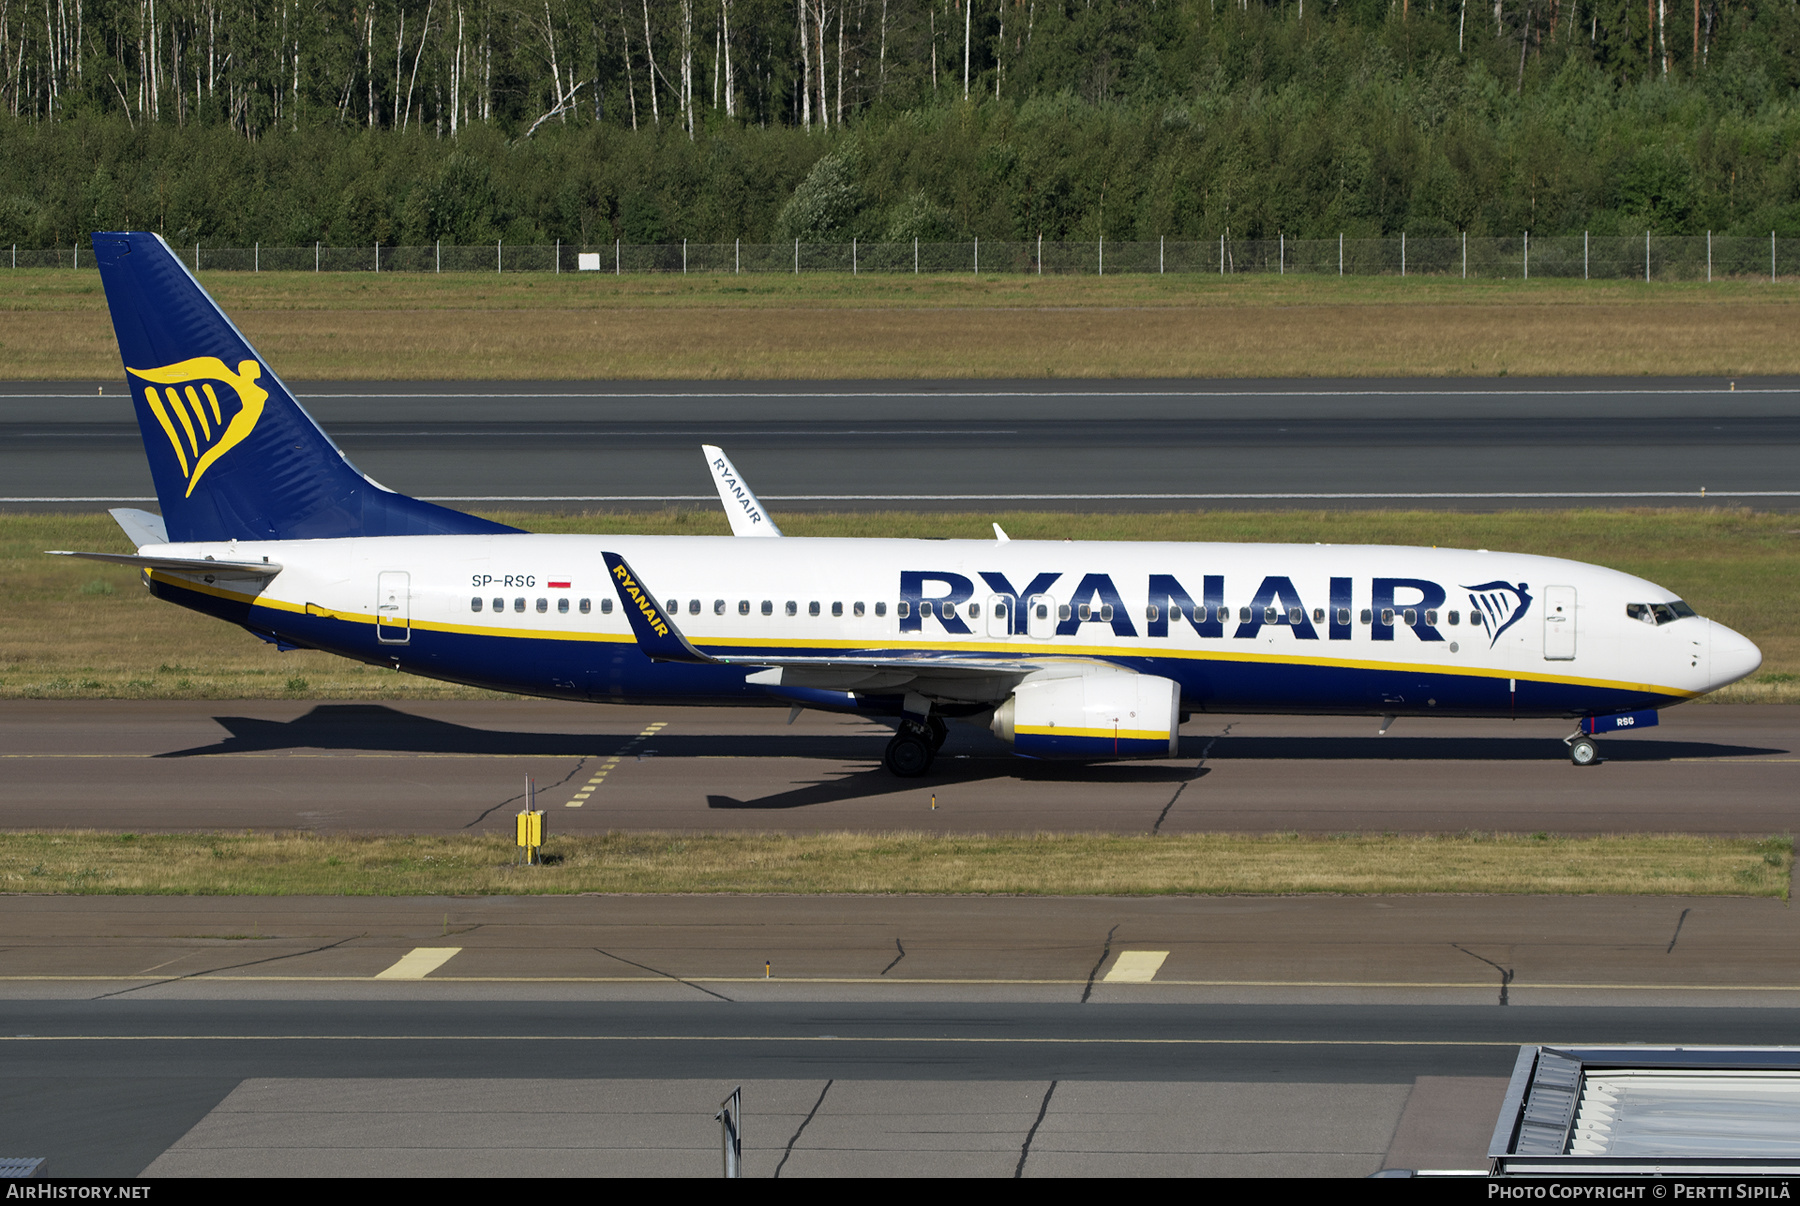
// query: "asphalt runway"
[[1118, 445], [460, 766], [891, 1036]]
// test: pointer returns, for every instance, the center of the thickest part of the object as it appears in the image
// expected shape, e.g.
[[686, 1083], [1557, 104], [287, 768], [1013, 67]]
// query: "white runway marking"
[[1135, 967]]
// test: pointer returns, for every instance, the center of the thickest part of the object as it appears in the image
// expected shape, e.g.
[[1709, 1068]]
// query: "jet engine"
[[1092, 713]]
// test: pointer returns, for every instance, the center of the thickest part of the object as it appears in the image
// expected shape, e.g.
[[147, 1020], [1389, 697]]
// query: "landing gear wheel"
[[1582, 752], [940, 733], [908, 755]]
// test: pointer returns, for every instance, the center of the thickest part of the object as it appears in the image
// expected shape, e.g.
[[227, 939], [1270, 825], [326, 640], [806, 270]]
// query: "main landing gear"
[[912, 749]]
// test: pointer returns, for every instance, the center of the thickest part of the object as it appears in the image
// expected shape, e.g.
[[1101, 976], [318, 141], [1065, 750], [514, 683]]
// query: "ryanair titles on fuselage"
[[1413, 603]]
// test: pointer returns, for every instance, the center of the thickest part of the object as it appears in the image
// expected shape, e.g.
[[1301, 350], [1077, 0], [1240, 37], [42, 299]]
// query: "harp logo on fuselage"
[[204, 408]]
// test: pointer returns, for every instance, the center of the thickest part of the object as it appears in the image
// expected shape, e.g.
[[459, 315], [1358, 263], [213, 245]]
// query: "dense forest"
[[407, 121]]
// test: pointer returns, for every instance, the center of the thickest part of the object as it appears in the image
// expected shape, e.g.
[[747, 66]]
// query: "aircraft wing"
[[745, 511], [180, 565], [662, 641]]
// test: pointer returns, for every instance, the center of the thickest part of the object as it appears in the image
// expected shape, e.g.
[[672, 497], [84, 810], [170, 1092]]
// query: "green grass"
[[87, 863], [78, 630], [361, 326]]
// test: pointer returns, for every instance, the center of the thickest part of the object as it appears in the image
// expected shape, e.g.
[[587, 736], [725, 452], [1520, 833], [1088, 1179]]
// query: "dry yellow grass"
[[1037, 864], [78, 630], [360, 327]]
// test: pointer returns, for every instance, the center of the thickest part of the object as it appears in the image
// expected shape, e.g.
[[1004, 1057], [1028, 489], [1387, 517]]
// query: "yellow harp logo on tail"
[[201, 426]]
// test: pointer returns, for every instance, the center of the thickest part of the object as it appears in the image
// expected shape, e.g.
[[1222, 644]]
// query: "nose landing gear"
[[1582, 750]]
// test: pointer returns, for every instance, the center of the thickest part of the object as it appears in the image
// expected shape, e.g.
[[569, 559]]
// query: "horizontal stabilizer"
[[654, 628], [180, 565], [141, 527]]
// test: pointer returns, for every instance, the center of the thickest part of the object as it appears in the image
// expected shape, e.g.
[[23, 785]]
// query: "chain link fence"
[[1648, 258]]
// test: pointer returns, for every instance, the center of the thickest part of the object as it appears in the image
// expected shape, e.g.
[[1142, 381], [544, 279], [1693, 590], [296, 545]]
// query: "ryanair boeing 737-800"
[[1074, 649]]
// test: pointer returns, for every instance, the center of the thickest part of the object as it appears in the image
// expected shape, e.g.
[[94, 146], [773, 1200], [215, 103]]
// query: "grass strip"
[[356, 326], [79, 630], [281, 864]]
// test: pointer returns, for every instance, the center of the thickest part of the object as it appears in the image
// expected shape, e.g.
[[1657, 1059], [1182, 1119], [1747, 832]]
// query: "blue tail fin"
[[232, 454]]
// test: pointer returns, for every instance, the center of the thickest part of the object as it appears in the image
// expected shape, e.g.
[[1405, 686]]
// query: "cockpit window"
[[1658, 613]]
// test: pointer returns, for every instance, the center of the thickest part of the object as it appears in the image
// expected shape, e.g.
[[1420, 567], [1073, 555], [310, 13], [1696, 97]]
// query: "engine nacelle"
[[1092, 714]]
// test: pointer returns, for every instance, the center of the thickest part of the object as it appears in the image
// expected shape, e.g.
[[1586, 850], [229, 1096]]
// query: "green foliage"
[[1077, 120]]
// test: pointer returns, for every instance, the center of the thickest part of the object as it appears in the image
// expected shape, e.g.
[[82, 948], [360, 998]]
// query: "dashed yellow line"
[[592, 785]]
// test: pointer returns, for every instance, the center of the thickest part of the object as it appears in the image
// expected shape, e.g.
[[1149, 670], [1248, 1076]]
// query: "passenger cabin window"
[[606, 607], [1043, 611], [1062, 612], [768, 607], [1150, 613], [1243, 615], [474, 604], [543, 605], [1296, 615], [856, 609], [1455, 618], [693, 607], [1387, 616], [1319, 615], [812, 609], [562, 607], [1431, 616], [837, 609], [793, 608], [924, 608], [880, 608], [903, 610], [1343, 616], [587, 605], [518, 605], [1411, 616], [718, 607], [1106, 612], [1368, 617], [743, 607], [974, 611], [499, 604], [1271, 616], [1082, 612]]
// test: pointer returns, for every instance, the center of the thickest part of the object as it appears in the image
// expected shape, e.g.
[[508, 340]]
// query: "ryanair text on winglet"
[[642, 600]]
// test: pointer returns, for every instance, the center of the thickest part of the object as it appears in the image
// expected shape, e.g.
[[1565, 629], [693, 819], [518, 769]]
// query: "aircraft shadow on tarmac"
[[969, 756]]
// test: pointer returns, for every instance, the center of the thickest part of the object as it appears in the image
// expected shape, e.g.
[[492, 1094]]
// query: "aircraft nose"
[[1731, 657]]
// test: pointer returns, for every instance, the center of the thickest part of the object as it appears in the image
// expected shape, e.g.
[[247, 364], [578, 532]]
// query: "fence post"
[[1528, 255], [1465, 274], [497, 243], [1102, 254], [558, 269], [1340, 253], [1161, 248], [377, 257], [315, 257], [196, 257], [256, 264], [1709, 257], [616, 258], [1584, 255], [75, 258], [684, 257], [852, 255], [916, 255], [796, 257], [1403, 255], [737, 256], [1040, 253], [977, 255], [440, 257], [1646, 257], [1771, 257], [1281, 255], [1221, 255]]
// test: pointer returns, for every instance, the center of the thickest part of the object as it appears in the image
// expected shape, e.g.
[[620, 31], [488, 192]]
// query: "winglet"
[[745, 511], [654, 628]]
